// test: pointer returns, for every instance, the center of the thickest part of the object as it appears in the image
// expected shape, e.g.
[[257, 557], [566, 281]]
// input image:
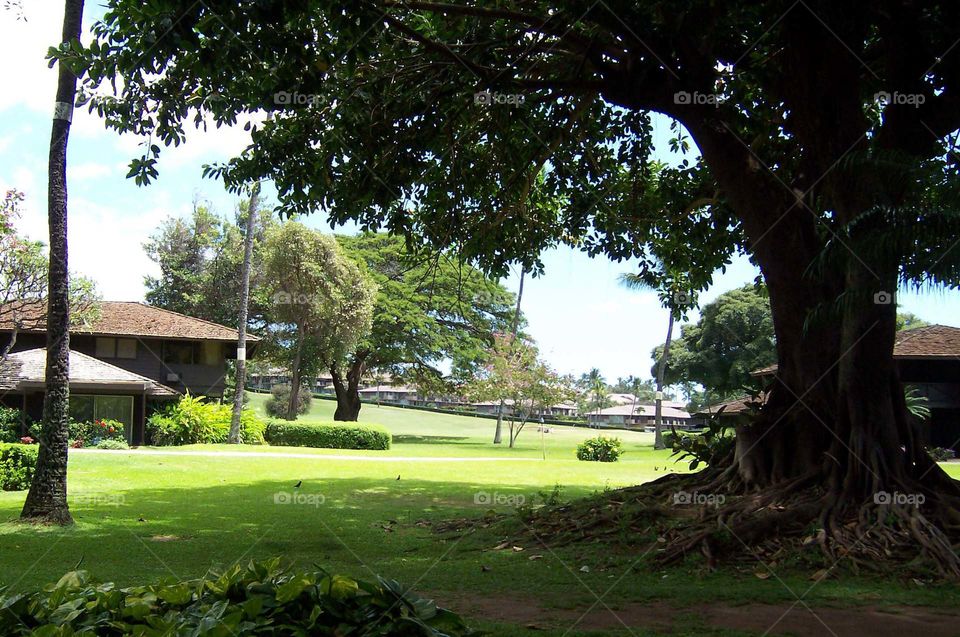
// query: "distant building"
[[643, 416]]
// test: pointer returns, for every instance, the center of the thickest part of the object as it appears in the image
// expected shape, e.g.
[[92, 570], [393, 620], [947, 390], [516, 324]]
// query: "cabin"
[[123, 363], [928, 359]]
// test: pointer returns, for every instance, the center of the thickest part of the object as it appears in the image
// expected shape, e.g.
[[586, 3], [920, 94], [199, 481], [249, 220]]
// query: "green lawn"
[[141, 517]]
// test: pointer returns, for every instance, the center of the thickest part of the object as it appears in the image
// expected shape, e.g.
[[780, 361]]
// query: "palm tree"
[[515, 328], [241, 377], [674, 298], [47, 498]]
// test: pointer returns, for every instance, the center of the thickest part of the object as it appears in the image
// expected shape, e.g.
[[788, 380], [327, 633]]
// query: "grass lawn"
[[142, 517]]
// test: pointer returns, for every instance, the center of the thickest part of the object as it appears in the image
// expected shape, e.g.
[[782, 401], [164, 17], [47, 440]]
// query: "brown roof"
[[130, 318], [734, 406], [29, 368], [931, 341]]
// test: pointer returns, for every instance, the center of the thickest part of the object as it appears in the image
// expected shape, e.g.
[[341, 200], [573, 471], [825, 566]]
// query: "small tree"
[[322, 302], [515, 376]]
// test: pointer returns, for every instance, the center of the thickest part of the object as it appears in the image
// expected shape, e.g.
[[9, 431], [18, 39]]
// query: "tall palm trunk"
[[498, 434], [661, 369], [47, 499], [241, 377]]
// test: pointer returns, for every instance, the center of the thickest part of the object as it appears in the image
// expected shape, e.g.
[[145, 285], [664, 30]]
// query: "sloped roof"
[[132, 318], [931, 341], [733, 407], [29, 366], [642, 410]]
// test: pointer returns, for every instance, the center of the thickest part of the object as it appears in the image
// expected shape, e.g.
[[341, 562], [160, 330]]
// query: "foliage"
[[733, 337], [515, 374], [941, 454], [327, 436], [703, 448], [115, 445], [193, 420], [17, 463], [23, 276], [321, 301], [200, 260], [9, 424], [917, 404], [600, 449], [279, 400], [91, 434], [430, 307], [258, 599]]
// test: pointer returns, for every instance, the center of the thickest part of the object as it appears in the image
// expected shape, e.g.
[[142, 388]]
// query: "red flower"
[[112, 430]]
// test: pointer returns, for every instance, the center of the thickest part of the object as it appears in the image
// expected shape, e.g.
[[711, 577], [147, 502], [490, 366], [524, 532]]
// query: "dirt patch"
[[760, 619]]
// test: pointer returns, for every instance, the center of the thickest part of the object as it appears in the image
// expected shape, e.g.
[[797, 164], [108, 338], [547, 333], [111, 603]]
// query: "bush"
[[9, 424], [259, 599], [941, 454], [113, 444], [600, 449], [276, 405], [16, 466], [91, 434], [327, 435], [192, 420]]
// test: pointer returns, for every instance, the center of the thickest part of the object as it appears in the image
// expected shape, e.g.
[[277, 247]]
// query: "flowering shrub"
[[90, 434], [27, 440]]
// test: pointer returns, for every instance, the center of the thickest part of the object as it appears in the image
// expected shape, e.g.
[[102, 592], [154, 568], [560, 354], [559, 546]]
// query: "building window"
[[88, 408], [179, 352], [107, 347]]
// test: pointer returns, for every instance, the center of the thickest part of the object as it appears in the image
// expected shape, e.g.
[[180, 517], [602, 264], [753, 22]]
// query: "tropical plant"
[[600, 449]]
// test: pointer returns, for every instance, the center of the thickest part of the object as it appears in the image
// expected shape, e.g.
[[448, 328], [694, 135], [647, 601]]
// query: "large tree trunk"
[[241, 377], [348, 393], [661, 369], [47, 498], [293, 406]]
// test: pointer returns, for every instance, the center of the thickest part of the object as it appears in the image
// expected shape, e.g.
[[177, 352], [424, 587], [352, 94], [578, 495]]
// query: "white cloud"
[[91, 170], [23, 44]]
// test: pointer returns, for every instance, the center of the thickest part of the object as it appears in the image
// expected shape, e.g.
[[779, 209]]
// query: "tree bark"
[[47, 499], [293, 406], [348, 393], [658, 417], [241, 376]]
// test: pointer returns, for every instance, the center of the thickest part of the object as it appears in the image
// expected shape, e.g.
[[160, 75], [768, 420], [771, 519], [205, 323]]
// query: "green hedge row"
[[327, 435], [16, 466]]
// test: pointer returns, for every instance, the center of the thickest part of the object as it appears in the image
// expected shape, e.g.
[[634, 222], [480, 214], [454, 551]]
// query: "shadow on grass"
[[415, 439]]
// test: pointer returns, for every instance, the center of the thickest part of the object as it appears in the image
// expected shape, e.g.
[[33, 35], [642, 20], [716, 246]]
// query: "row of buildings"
[[625, 409]]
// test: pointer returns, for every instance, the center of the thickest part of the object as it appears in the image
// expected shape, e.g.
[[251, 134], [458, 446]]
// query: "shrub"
[[941, 454], [192, 420], [600, 449], [113, 444], [9, 424], [91, 434], [327, 435], [259, 599], [16, 466], [276, 405]]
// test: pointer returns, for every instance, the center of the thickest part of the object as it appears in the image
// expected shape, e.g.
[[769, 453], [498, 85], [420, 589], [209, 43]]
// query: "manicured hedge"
[[327, 435], [16, 466], [258, 599]]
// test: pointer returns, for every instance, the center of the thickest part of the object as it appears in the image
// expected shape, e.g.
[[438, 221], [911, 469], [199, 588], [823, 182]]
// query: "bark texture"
[[47, 499], [241, 376], [347, 388]]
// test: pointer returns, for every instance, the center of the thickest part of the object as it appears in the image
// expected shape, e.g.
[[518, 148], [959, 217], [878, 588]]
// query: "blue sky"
[[577, 312]]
